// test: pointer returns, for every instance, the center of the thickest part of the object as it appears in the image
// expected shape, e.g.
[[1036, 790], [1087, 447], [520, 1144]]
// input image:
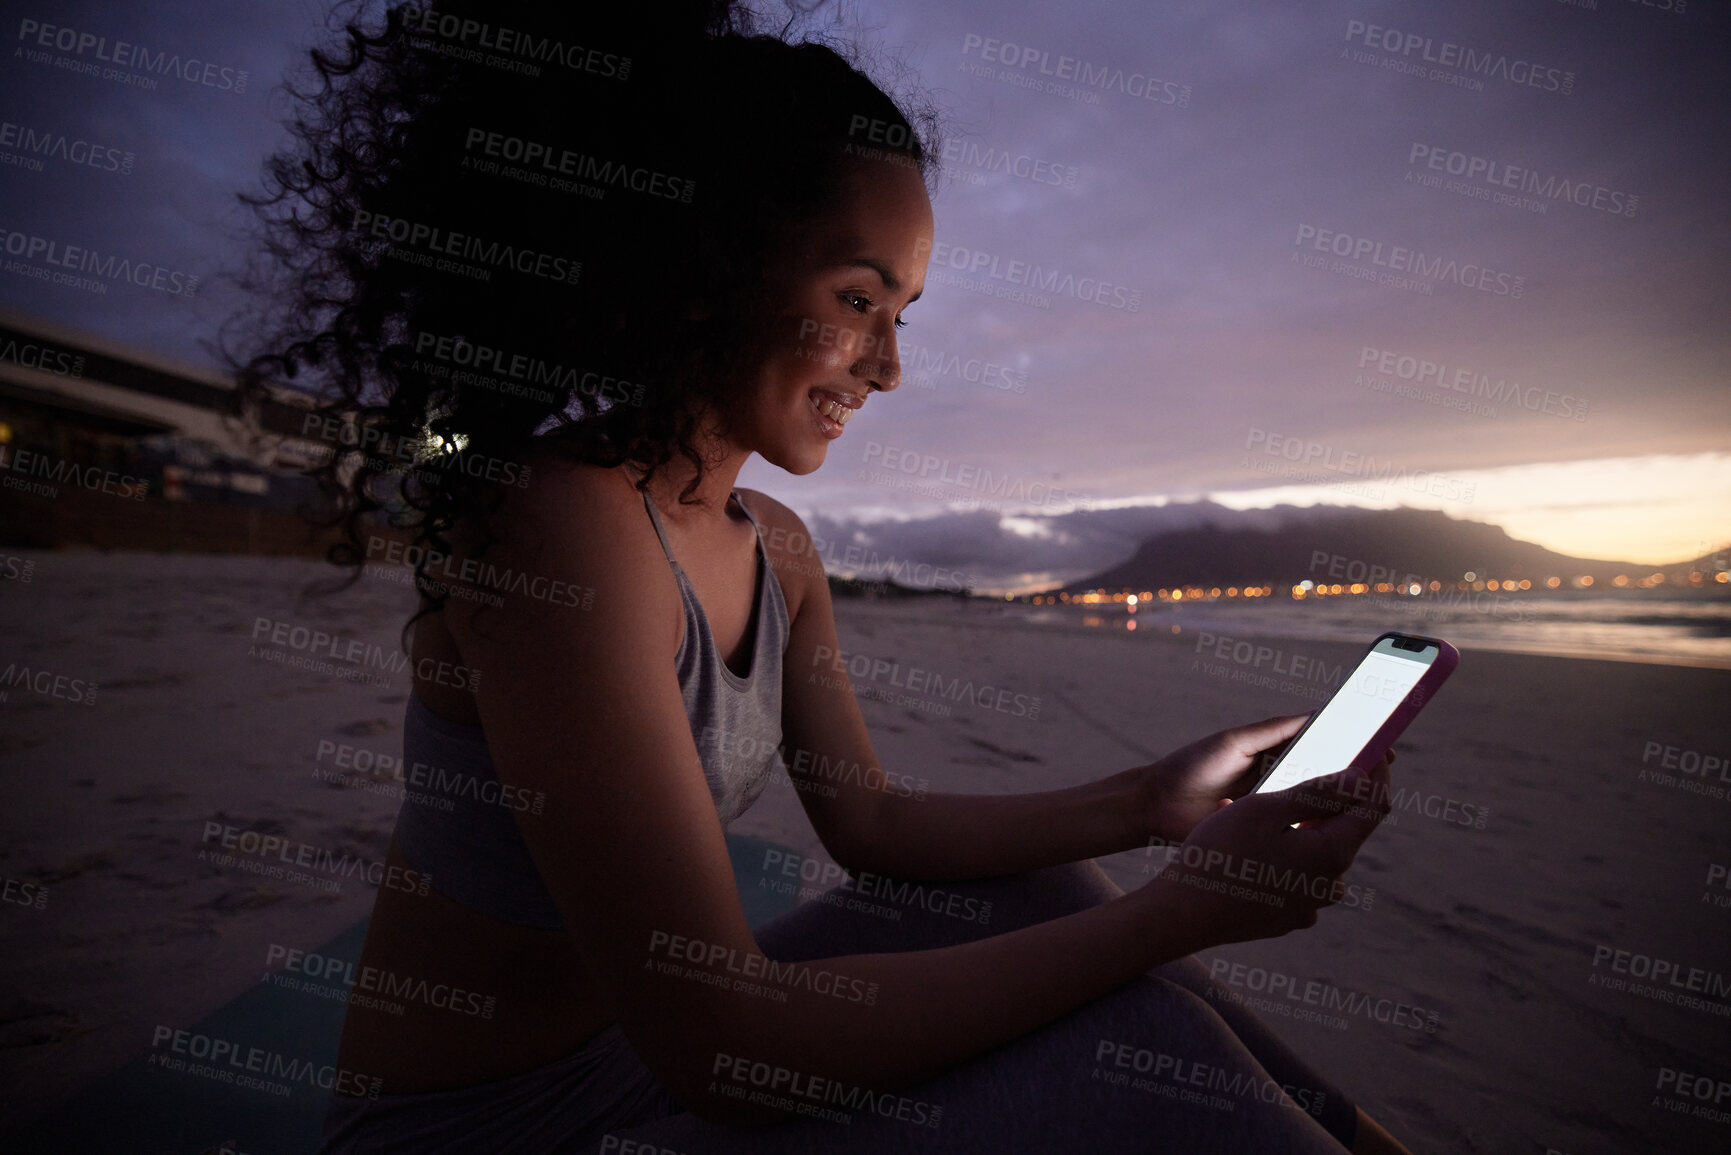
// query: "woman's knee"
[[1041, 895], [1155, 1010], [874, 914], [1190, 973]]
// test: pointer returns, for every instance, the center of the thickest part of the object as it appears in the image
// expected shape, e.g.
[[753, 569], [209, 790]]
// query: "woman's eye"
[[857, 302], [901, 324]]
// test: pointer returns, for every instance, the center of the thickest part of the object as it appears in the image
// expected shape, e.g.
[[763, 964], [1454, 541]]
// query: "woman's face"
[[849, 274]]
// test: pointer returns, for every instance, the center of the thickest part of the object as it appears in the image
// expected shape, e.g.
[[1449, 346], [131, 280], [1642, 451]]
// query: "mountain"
[[1348, 545]]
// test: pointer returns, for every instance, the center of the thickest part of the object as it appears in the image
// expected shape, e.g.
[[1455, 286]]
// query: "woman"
[[613, 256]]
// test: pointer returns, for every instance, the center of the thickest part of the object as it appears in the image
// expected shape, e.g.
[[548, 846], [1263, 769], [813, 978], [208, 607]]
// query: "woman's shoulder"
[[547, 468], [584, 520], [793, 553], [578, 498], [769, 511]]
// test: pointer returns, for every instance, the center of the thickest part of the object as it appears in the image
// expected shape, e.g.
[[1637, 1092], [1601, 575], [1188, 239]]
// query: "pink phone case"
[[1447, 659], [1422, 691]]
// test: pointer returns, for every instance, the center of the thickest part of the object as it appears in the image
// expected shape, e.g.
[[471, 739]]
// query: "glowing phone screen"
[[1368, 697]]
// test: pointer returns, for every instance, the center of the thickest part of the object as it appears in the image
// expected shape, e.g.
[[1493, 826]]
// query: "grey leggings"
[[1166, 1063]]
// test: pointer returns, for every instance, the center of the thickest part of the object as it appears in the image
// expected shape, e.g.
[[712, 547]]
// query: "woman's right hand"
[[1246, 873]]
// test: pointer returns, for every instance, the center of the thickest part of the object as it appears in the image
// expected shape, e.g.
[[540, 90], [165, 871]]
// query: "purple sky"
[[1271, 124]]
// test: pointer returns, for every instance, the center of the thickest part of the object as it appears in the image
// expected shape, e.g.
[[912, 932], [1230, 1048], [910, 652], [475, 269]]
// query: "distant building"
[[113, 447]]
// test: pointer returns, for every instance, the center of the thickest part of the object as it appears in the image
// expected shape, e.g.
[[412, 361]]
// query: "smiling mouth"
[[834, 409]]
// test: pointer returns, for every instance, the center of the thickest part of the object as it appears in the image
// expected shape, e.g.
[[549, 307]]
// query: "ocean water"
[[1679, 629]]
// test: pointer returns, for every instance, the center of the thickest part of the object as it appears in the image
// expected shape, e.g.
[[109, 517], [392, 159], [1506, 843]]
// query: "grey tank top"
[[459, 825]]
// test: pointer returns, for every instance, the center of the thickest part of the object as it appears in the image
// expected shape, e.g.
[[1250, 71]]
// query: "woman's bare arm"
[[869, 817]]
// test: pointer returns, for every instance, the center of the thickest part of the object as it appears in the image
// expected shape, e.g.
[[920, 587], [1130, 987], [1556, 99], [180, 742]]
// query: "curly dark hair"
[[510, 223]]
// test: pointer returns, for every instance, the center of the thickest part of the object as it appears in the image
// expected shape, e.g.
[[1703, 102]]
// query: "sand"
[[1488, 935]]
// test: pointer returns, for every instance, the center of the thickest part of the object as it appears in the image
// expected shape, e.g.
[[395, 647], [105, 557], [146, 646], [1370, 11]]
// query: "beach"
[[1537, 956]]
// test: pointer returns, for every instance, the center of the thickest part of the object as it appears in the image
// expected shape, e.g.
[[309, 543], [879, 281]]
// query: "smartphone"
[[1356, 727]]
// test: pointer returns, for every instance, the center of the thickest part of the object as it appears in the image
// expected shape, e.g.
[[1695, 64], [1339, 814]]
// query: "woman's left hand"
[[1191, 783]]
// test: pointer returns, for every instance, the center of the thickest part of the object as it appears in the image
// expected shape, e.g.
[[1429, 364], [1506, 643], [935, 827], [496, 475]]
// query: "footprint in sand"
[[84, 864], [999, 753], [366, 728], [24, 1023], [235, 901]]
